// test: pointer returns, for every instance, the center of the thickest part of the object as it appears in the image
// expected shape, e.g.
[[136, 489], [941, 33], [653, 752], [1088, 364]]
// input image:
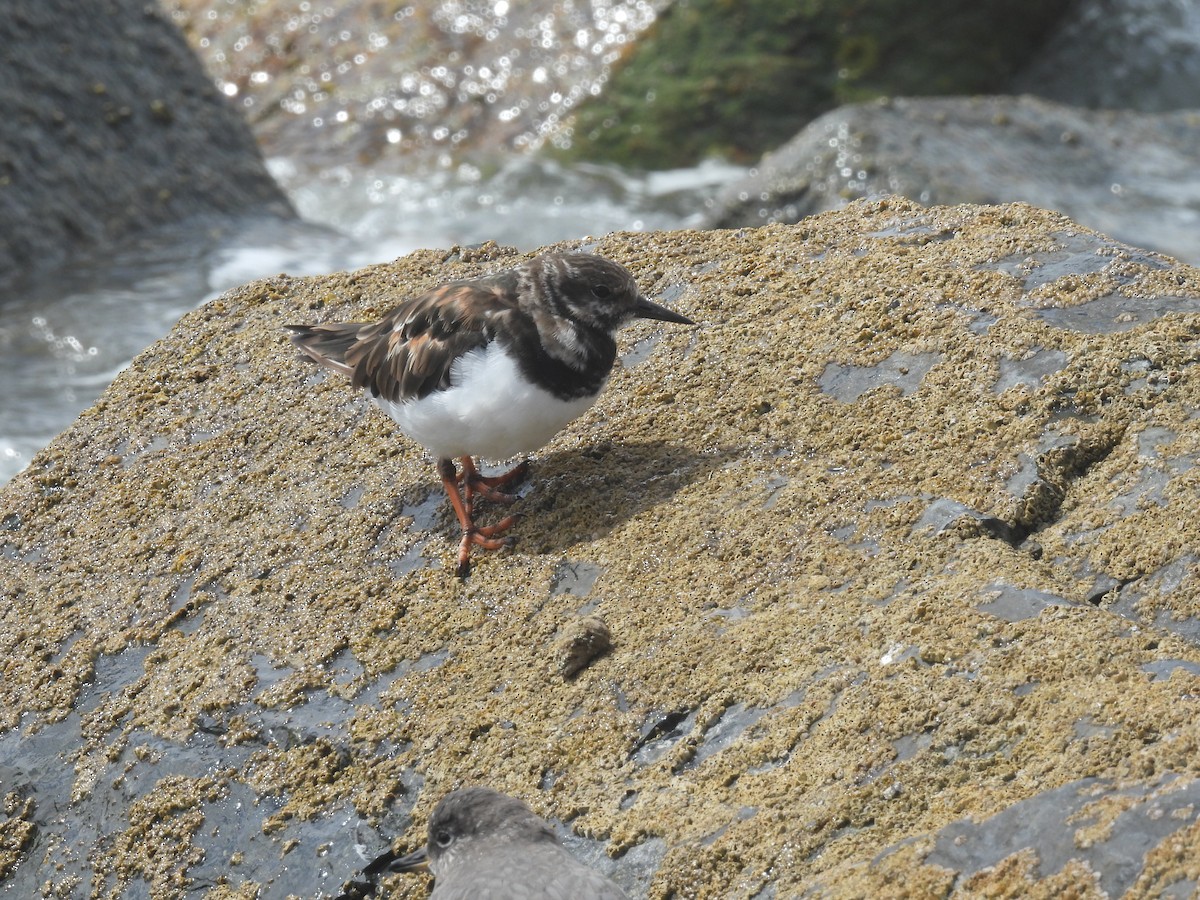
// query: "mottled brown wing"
[[409, 352]]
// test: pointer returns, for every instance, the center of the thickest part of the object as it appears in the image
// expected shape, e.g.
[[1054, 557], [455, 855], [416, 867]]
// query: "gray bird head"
[[593, 290], [465, 818], [479, 813]]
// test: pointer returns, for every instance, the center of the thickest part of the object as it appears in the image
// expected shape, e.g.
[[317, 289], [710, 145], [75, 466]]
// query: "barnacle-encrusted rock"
[[897, 550]]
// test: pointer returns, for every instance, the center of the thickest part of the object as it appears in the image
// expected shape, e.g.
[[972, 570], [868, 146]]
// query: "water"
[[430, 80], [63, 340]]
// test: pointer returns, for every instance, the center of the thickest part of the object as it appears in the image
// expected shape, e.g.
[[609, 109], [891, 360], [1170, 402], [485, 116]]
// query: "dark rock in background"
[[109, 128], [1121, 54]]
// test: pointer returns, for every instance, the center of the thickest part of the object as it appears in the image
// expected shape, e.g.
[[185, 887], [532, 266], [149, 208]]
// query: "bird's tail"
[[327, 344]]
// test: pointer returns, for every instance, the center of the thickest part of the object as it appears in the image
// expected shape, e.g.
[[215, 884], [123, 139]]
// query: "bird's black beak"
[[417, 861], [644, 309]]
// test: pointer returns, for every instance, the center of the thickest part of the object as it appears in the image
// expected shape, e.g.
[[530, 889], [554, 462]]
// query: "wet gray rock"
[[1131, 175], [110, 128], [1120, 54]]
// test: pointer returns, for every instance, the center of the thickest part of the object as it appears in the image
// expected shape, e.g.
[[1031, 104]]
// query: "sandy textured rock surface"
[[897, 553]]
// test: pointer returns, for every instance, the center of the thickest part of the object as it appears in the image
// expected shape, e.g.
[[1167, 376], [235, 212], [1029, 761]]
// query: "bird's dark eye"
[[601, 291], [444, 838]]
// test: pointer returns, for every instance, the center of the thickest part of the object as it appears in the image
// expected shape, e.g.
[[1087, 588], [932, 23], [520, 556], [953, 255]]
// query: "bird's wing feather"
[[327, 344], [409, 352]]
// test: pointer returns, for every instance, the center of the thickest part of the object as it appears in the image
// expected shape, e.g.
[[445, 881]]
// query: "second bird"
[[484, 845], [490, 367]]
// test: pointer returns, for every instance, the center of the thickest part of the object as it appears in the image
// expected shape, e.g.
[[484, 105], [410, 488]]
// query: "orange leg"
[[484, 536], [491, 487]]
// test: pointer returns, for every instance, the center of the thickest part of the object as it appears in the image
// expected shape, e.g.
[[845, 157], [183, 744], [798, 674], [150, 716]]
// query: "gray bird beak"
[[418, 860], [644, 309]]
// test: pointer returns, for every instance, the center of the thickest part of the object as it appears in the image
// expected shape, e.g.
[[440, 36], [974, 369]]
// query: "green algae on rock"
[[859, 636], [711, 77]]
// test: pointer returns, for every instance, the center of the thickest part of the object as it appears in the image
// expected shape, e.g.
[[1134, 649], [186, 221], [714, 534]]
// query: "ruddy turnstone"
[[486, 844], [490, 367]]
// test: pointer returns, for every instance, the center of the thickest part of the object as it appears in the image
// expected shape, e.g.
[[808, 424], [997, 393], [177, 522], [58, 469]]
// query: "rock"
[[736, 79], [110, 128], [1119, 54], [1130, 174], [939, 631], [585, 641]]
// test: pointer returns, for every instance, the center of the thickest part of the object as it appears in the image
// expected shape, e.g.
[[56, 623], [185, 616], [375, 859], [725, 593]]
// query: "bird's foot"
[[491, 487], [485, 537]]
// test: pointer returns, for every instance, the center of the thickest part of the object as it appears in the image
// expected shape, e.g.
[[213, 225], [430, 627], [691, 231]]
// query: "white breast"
[[489, 410]]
